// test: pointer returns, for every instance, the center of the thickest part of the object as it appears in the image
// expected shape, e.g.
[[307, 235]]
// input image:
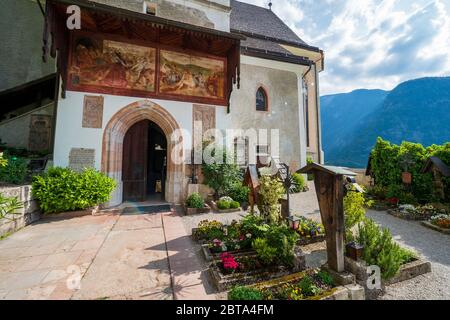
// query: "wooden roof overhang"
[[439, 164], [104, 19]]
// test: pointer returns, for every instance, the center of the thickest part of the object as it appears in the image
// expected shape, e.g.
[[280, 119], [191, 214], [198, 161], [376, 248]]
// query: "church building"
[[134, 78]]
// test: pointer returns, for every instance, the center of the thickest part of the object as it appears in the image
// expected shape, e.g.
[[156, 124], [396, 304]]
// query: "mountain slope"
[[416, 110], [342, 113]]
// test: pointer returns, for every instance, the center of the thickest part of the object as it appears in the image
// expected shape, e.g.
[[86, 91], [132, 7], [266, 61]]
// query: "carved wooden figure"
[[330, 190]]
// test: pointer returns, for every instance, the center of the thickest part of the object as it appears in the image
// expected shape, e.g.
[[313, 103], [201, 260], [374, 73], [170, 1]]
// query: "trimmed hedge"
[[389, 160], [62, 189]]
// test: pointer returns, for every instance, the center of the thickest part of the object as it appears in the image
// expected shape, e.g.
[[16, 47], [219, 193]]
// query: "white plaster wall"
[[70, 133], [281, 81]]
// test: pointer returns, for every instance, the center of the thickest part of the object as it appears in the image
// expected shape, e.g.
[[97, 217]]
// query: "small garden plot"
[[226, 205], [195, 205], [440, 222], [307, 285], [417, 213], [248, 251], [379, 249]]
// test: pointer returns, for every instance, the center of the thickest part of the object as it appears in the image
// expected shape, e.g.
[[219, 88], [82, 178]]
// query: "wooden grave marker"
[[330, 190]]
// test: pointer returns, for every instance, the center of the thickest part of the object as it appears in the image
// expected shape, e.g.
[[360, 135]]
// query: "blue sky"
[[371, 43]]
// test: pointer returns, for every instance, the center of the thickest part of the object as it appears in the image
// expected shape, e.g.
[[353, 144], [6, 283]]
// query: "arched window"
[[261, 100]]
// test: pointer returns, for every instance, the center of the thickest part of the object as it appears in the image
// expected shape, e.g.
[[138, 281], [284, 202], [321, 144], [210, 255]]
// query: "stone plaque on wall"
[[40, 132], [93, 112], [206, 115], [80, 159]]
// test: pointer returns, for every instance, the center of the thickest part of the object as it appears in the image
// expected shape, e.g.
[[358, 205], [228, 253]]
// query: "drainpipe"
[[319, 127]]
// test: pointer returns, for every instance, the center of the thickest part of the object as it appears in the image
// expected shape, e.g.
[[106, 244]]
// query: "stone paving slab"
[[189, 278], [38, 261], [131, 262]]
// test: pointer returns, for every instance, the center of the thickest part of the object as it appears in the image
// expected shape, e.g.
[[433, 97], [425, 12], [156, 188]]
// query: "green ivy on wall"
[[389, 160]]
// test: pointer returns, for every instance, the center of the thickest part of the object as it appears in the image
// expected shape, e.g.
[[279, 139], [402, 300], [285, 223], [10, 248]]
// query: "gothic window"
[[261, 100]]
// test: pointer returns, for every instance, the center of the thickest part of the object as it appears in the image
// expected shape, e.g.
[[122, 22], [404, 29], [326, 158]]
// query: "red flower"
[[393, 200], [228, 262]]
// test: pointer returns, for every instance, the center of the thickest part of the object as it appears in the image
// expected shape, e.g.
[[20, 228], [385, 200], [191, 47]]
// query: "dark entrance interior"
[[144, 162]]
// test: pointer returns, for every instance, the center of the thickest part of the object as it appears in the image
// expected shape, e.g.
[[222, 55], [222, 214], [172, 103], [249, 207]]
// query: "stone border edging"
[[435, 228]]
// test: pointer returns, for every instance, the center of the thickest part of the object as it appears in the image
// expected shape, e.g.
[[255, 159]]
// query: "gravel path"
[[433, 246]]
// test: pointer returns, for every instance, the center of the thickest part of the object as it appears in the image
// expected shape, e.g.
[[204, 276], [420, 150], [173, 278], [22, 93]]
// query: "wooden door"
[[134, 171]]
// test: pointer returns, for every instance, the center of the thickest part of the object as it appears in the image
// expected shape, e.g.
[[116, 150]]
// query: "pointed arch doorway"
[[115, 148], [144, 165]]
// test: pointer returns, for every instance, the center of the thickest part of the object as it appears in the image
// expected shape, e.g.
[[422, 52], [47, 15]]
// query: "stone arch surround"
[[112, 147]]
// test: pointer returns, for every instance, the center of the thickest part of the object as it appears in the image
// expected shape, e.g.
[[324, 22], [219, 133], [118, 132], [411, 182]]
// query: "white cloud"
[[372, 43]]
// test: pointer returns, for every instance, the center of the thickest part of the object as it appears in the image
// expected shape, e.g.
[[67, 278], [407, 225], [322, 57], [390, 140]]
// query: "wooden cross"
[[330, 190]]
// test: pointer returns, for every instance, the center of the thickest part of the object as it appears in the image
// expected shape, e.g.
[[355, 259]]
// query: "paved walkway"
[[128, 256], [151, 256]]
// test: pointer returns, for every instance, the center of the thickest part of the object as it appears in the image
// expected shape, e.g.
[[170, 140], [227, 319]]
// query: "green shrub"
[[209, 230], [380, 249], [407, 255], [195, 200], [326, 278], [62, 189], [9, 206], [15, 171], [265, 253], [220, 175], [238, 192], [270, 191], [308, 288], [234, 205], [354, 210], [3, 161], [310, 160], [245, 293], [283, 239], [223, 204], [299, 180], [254, 226]]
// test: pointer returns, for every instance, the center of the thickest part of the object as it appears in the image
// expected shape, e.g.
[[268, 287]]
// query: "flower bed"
[[439, 223], [416, 213], [310, 232], [307, 285]]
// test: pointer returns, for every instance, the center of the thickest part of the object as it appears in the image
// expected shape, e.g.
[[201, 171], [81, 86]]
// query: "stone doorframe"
[[112, 150]]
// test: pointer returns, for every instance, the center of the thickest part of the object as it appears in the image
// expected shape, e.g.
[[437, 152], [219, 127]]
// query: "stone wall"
[[27, 215], [15, 132], [21, 28], [361, 177]]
